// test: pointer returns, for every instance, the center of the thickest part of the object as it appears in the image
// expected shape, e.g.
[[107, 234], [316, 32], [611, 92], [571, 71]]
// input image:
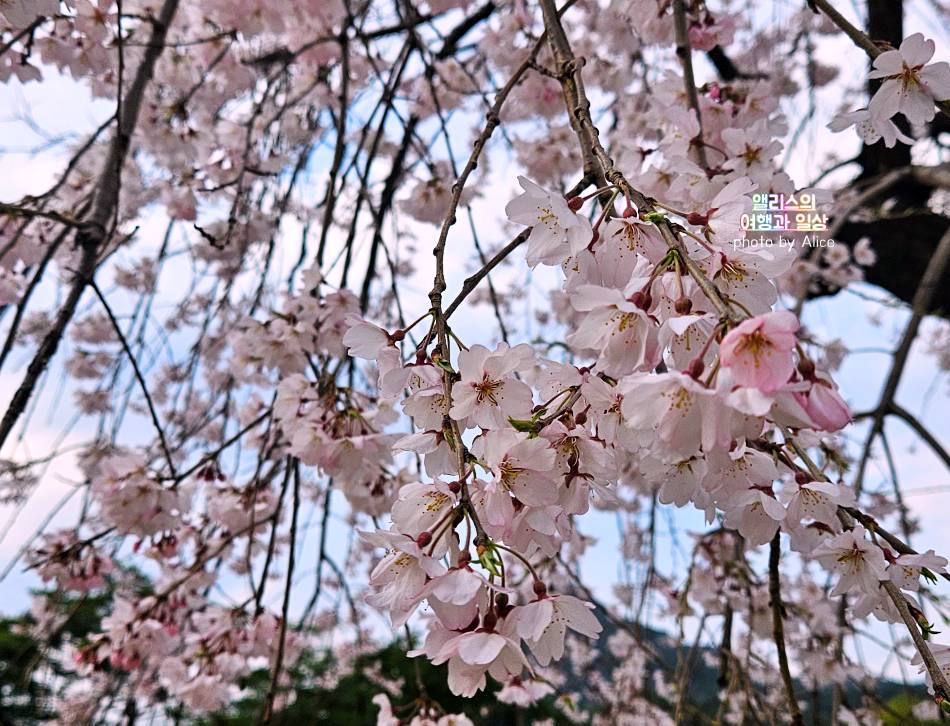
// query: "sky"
[[848, 316]]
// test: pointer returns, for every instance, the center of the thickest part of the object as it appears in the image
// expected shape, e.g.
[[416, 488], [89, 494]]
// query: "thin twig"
[[685, 53], [268, 712], [138, 377]]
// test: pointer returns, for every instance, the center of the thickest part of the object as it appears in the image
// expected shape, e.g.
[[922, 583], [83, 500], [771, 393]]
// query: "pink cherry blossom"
[[20, 13], [823, 404], [942, 655], [399, 577], [365, 340], [759, 350], [670, 406], [473, 654], [488, 393], [755, 514], [620, 332], [524, 692], [911, 84], [420, 507], [556, 231], [859, 563], [870, 128], [193, 265], [906, 569], [819, 501], [725, 210], [544, 623], [520, 466]]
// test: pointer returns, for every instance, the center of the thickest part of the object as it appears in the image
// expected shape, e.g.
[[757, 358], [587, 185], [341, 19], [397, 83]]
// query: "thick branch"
[[94, 231], [778, 628], [922, 299]]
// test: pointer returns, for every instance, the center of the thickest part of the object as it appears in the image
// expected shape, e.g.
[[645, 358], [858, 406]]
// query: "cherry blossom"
[[823, 404], [942, 655], [365, 340], [519, 466], [488, 393], [870, 128], [618, 330], [471, 655], [819, 501], [755, 514], [399, 577], [544, 622], [671, 406], [859, 563], [906, 570], [759, 350], [556, 231], [20, 13], [911, 84], [281, 414]]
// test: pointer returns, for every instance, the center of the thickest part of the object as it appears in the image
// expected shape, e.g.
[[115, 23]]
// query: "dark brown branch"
[[94, 233], [922, 299], [138, 377], [778, 628], [268, 711], [472, 281], [922, 432], [685, 53]]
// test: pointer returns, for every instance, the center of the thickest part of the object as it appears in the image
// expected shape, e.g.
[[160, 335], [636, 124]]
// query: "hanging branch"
[[94, 231], [778, 628]]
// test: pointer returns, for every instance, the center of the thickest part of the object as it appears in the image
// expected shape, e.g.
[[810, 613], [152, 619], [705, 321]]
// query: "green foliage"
[[899, 711], [348, 701], [20, 693], [25, 671]]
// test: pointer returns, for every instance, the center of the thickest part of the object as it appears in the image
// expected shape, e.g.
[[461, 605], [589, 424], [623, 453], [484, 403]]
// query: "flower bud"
[[806, 368], [696, 368], [540, 589], [398, 336], [455, 487]]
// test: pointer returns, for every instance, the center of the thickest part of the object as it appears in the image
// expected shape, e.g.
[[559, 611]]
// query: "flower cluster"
[[910, 84], [668, 369]]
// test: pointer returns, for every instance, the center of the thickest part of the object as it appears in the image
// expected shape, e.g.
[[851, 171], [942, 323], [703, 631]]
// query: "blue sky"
[[861, 324]]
